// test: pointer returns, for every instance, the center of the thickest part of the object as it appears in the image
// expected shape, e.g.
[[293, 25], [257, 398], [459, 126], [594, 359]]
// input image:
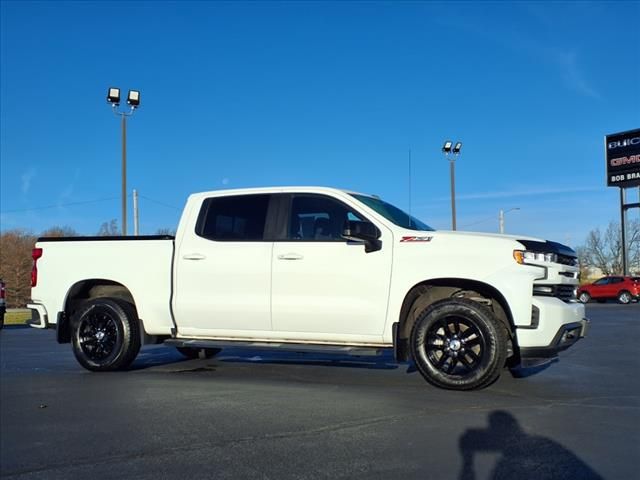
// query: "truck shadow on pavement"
[[523, 456], [155, 357]]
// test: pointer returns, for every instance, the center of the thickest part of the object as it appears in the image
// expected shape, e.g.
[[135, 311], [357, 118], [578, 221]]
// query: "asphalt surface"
[[251, 414]]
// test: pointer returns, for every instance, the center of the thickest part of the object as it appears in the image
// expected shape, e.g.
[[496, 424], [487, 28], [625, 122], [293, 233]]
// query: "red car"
[[625, 289]]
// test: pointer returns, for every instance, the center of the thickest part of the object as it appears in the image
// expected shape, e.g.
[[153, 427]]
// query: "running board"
[[291, 347]]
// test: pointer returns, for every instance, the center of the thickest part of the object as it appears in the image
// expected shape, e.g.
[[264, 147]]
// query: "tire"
[[450, 357], [584, 297], [194, 352], [105, 335], [624, 297]]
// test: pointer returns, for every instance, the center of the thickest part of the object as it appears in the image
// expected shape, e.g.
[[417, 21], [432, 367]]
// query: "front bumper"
[[555, 326], [565, 337]]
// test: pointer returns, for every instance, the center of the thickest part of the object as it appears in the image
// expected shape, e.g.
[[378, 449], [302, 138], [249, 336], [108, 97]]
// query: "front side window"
[[602, 281], [393, 213], [319, 218], [239, 218]]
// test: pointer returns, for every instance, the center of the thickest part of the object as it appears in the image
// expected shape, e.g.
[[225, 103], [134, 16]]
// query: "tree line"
[[16, 261], [601, 254]]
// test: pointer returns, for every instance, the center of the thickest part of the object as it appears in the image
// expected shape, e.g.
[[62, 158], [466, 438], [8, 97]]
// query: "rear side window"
[[239, 218]]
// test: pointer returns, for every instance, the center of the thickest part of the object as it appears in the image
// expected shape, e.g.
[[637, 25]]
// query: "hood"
[[528, 243], [485, 235]]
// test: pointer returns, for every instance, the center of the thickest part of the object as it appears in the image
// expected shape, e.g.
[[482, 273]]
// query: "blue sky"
[[318, 93]]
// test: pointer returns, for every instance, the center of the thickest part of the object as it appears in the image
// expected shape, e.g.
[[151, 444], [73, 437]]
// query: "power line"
[[70, 204], [479, 221], [159, 202], [86, 202]]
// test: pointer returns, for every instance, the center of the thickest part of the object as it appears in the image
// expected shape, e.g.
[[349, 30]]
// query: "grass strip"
[[16, 318]]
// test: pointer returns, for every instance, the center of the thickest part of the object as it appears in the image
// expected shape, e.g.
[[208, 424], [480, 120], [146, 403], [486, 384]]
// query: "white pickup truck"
[[312, 268]]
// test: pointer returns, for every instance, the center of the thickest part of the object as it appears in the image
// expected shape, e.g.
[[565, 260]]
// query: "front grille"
[[563, 292], [567, 260]]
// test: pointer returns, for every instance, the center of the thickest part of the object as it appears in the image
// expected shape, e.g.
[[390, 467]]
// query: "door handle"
[[290, 256], [194, 256]]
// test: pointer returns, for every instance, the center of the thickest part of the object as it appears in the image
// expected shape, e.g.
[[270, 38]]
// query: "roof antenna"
[[409, 182]]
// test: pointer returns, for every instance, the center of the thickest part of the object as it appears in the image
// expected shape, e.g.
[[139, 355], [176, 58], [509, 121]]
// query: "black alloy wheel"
[[455, 345], [458, 344], [98, 335], [106, 334]]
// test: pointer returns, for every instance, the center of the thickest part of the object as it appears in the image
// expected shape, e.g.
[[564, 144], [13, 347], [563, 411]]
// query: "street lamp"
[[501, 218], [451, 152], [133, 100]]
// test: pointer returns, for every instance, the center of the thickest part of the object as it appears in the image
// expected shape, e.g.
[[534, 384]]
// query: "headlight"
[[526, 256]]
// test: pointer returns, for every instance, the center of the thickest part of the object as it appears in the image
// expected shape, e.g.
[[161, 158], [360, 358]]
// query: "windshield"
[[393, 214]]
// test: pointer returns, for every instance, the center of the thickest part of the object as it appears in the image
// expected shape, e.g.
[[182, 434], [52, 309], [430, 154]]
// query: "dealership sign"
[[622, 151]]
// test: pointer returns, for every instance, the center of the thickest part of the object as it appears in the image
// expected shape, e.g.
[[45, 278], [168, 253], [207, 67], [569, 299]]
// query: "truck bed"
[[143, 264]]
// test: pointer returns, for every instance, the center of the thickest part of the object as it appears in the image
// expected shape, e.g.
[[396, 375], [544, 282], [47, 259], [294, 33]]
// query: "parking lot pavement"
[[256, 414]]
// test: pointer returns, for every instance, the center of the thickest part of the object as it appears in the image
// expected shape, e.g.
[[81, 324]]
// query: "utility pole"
[[136, 222], [501, 218]]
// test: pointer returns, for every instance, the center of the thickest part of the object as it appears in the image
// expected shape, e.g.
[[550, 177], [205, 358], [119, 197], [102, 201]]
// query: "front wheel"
[[106, 334], [584, 297], [458, 344], [624, 297]]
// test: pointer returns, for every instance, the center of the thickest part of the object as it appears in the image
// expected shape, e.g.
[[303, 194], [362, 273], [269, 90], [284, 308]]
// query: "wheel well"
[[95, 288], [88, 290], [424, 294]]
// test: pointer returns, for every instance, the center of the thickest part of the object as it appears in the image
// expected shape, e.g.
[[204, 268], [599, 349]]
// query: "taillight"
[[3, 293], [36, 253]]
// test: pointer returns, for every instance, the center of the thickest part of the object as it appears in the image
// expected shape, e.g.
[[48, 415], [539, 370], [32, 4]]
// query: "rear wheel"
[[106, 334], [194, 352], [458, 344], [584, 297], [624, 297]]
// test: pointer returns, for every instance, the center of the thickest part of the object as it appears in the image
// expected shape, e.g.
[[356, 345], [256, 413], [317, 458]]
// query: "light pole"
[[133, 100], [501, 218], [451, 152]]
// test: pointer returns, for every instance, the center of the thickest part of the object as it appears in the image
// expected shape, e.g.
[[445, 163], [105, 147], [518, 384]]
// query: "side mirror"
[[365, 232]]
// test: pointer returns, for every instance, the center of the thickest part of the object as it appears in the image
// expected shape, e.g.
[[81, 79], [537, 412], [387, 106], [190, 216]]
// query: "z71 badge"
[[416, 239]]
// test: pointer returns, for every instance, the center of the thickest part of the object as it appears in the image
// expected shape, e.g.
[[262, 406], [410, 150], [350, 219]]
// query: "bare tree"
[[603, 250], [15, 265], [65, 231], [166, 231], [109, 229], [16, 261]]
